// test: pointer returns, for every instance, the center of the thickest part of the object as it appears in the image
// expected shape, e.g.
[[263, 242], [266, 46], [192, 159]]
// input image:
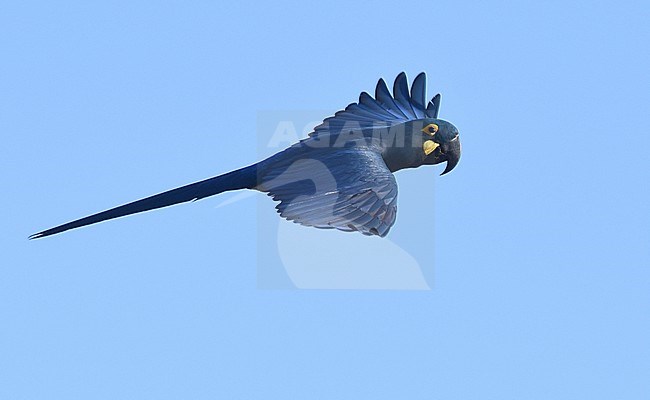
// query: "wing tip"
[[381, 86], [433, 108], [400, 80]]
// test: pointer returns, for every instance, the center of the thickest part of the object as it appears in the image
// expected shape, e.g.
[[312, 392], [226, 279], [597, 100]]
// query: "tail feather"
[[244, 178]]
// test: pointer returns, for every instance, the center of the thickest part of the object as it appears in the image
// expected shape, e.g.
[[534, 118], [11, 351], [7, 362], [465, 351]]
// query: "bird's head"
[[403, 125], [440, 143], [426, 141]]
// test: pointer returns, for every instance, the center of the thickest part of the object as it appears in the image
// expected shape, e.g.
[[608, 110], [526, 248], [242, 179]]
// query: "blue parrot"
[[341, 175]]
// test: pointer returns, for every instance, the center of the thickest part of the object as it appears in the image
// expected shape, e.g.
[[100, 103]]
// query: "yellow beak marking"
[[429, 146]]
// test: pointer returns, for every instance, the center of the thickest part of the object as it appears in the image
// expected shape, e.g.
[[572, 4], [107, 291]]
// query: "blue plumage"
[[341, 175], [385, 109]]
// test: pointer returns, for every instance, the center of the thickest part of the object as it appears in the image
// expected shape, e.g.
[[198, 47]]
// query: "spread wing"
[[384, 109], [349, 189]]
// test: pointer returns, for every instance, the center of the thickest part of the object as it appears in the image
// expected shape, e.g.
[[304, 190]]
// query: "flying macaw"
[[341, 175]]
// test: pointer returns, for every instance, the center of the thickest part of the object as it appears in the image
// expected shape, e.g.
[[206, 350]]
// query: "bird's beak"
[[451, 150]]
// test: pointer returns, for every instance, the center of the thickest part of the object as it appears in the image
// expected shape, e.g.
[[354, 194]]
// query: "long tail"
[[244, 178]]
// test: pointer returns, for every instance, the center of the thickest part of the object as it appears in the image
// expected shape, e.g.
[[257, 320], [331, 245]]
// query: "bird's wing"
[[384, 109], [350, 189]]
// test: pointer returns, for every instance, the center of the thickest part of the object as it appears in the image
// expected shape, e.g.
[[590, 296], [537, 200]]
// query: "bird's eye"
[[430, 129]]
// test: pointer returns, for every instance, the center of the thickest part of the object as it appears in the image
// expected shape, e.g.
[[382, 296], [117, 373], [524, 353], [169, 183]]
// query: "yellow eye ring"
[[430, 129]]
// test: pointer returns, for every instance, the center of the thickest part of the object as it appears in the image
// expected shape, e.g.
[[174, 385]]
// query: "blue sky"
[[537, 245]]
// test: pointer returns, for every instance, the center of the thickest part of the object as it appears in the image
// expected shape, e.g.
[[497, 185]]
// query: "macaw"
[[341, 175]]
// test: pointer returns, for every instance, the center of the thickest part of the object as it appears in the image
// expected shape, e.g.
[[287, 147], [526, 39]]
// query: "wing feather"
[[402, 96], [419, 94], [434, 106], [383, 96], [348, 189], [385, 109]]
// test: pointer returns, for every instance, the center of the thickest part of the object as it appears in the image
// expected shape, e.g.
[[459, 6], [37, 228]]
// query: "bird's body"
[[341, 176]]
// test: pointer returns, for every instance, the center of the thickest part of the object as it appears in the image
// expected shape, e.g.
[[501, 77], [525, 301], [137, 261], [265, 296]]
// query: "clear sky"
[[536, 248]]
